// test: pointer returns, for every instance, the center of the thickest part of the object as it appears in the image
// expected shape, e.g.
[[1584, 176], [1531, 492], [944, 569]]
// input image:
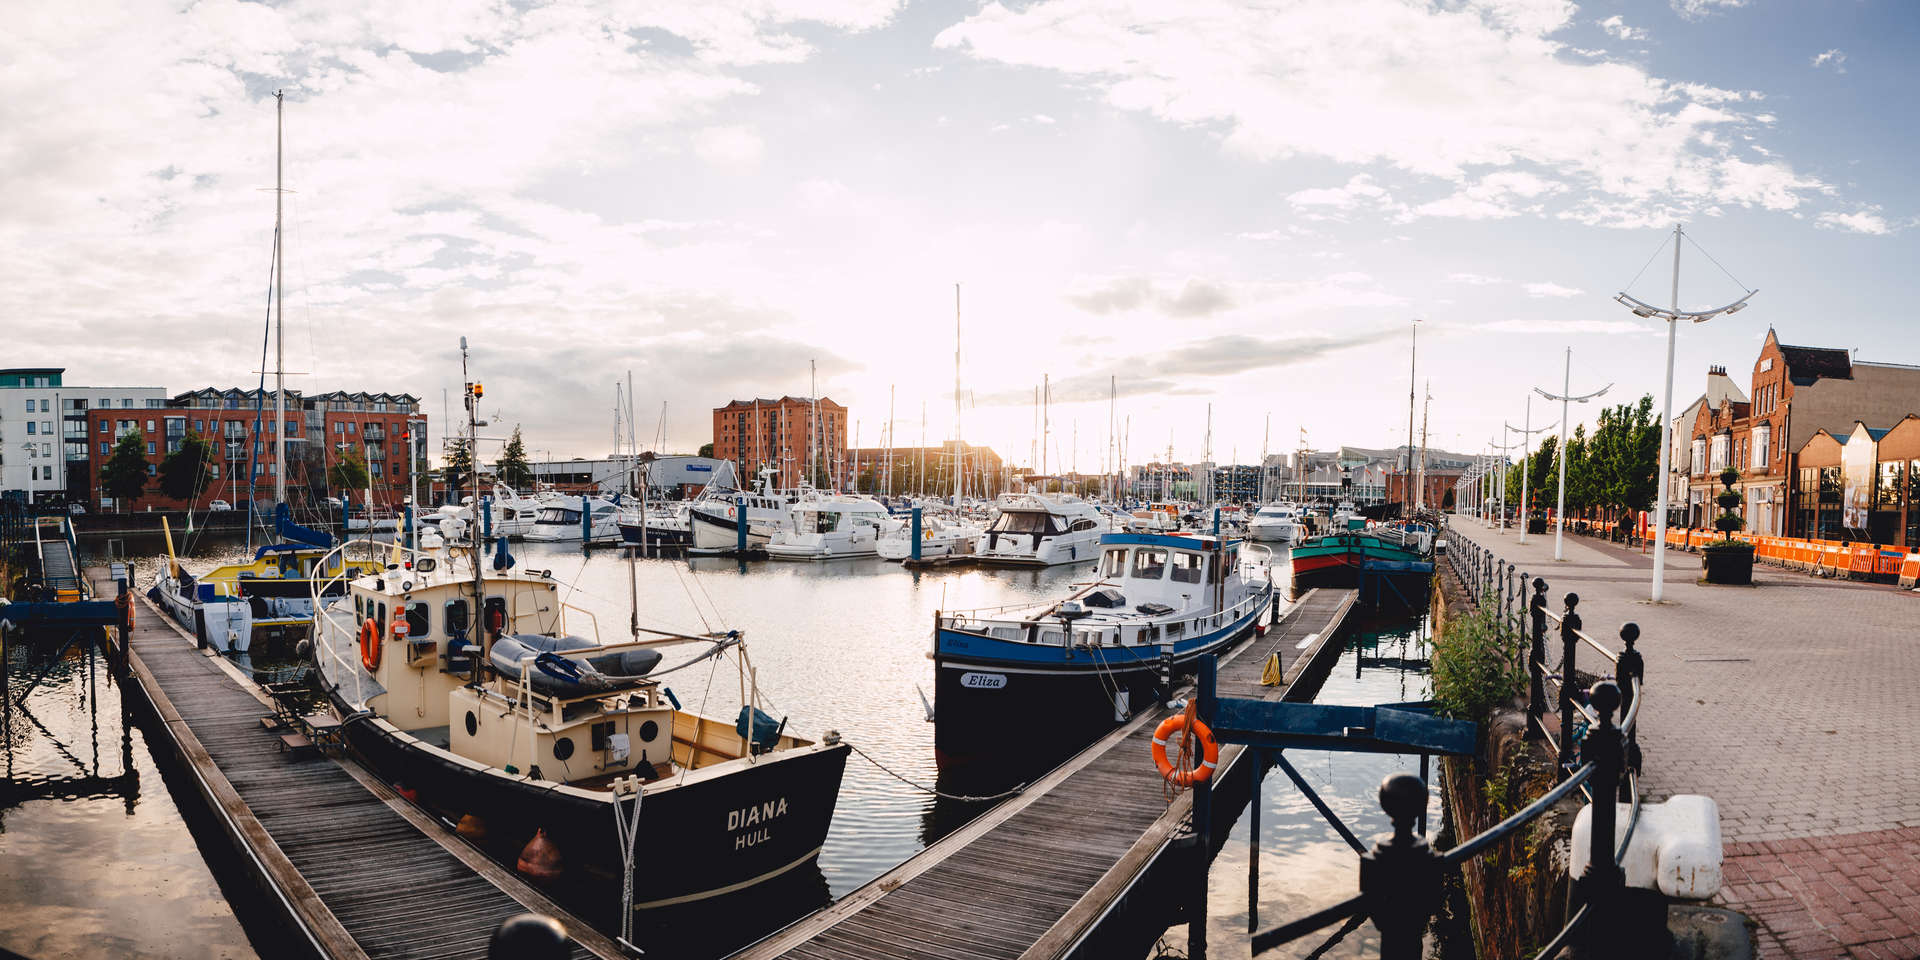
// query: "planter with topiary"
[[1728, 560]]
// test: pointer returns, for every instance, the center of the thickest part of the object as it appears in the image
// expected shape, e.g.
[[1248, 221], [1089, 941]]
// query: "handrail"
[[1395, 869]]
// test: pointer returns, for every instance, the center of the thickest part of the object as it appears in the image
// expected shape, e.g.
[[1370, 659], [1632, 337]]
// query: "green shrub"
[[1475, 668]]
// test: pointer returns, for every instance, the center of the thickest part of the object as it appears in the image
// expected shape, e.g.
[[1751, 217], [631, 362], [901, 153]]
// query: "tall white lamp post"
[[1565, 396], [1672, 317], [33, 470], [1526, 433]]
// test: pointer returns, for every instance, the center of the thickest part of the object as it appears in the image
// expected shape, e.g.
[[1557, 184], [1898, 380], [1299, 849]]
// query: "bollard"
[[1569, 637], [1400, 876], [914, 534], [528, 936], [740, 527], [1536, 659]]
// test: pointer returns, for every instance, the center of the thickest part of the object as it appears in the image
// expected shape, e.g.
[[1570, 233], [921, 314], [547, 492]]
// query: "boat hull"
[[722, 535], [1340, 561], [992, 695], [703, 838], [1029, 550], [656, 536]]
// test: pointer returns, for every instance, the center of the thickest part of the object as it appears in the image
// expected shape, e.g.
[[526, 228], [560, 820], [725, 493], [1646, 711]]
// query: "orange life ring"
[[1209, 751], [370, 646]]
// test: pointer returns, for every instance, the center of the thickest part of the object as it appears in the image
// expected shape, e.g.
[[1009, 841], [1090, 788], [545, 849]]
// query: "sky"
[[1242, 205]]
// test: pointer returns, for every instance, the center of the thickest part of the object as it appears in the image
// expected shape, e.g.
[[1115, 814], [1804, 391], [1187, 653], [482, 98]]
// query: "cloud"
[[729, 146], [1117, 296], [1699, 9], [1551, 290], [1832, 58], [1195, 298], [1467, 90], [1178, 371], [1474, 279], [1330, 203], [1868, 221], [1616, 27], [1530, 325], [1042, 119]]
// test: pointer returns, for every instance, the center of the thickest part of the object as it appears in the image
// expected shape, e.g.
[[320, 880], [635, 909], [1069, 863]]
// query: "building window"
[[1718, 461], [339, 427], [1761, 435], [46, 449], [151, 469], [373, 468], [105, 447], [149, 448], [1699, 459], [126, 403], [154, 403], [350, 427], [106, 402], [32, 428]]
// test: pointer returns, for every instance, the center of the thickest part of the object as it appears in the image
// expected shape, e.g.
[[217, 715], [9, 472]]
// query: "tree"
[[1579, 472], [125, 475], [459, 468], [349, 473], [706, 450], [185, 472], [512, 467]]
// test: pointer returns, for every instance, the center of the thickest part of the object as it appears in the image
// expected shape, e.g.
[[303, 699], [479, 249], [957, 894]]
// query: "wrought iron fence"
[[1401, 877]]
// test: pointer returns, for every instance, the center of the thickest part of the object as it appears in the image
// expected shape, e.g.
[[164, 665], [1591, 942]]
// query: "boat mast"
[[1112, 465], [1413, 358], [1046, 422], [1420, 490], [813, 424], [959, 456], [889, 440], [471, 397], [280, 312], [1265, 435]]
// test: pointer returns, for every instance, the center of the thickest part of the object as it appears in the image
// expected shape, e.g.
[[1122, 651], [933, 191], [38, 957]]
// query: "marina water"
[[839, 645]]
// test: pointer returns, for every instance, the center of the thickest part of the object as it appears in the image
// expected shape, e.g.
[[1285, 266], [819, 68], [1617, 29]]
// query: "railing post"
[[1537, 659], [1630, 667], [1569, 641], [1400, 877], [1603, 882]]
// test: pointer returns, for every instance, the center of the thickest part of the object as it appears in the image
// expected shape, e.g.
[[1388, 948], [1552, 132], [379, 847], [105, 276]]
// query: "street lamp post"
[[1526, 433], [1500, 479], [1560, 504], [1672, 317], [33, 470]]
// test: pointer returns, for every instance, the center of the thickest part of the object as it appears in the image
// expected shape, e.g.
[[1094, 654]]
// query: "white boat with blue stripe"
[[1083, 663]]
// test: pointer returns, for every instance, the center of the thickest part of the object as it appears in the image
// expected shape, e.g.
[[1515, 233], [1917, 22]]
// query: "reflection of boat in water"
[[1077, 666]]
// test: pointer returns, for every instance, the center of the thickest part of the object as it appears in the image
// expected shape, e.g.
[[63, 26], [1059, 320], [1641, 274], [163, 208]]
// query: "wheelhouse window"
[[1149, 564], [418, 621], [1081, 524], [1114, 564], [1188, 567]]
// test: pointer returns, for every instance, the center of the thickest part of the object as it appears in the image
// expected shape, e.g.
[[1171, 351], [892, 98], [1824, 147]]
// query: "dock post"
[[1259, 758], [916, 534], [586, 521], [485, 520], [1216, 521], [413, 540], [1202, 817], [740, 526]]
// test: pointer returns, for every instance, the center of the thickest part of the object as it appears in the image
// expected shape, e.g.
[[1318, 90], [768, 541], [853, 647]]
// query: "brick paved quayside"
[[1794, 704]]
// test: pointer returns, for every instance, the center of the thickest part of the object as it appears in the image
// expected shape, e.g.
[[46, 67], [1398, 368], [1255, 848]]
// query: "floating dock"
[[359, 872], [1036, 876]]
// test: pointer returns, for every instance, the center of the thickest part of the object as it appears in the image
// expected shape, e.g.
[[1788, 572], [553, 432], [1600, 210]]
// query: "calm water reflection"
[[95, 860], [840, 645]]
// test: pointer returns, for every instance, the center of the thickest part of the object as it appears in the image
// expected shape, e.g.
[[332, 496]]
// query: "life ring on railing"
[[1209, 751], [370, 645], [125, 603]]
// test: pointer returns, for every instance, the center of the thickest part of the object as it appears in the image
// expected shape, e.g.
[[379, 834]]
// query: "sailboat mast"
[[1046, 420], [1112, 465], [280, 309], [813, 424], [1413, 361], [960, 459], [889, 439], [1420, 490]]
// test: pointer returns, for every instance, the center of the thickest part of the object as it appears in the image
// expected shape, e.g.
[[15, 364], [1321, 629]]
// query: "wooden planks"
[[1031, 877], [360, 872]]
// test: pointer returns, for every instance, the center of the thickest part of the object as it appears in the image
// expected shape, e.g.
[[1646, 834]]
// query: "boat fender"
[[471, 827], [540, 859], [1209, 751], [370, 644]]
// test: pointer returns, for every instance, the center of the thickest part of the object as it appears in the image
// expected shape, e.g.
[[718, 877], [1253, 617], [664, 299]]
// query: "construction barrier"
[[1826, 558]]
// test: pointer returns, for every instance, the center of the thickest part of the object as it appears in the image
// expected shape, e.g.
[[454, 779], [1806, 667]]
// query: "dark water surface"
[[840, 645]]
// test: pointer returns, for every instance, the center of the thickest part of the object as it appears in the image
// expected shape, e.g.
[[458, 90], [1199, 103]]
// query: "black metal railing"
[[1401, 877]]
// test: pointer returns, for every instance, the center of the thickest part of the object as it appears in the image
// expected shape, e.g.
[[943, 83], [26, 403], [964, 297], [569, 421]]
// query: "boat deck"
[[360, 872], [1035, 876]]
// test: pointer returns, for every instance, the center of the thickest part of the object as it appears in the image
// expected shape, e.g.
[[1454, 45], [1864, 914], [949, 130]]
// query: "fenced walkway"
[[1791, 703]]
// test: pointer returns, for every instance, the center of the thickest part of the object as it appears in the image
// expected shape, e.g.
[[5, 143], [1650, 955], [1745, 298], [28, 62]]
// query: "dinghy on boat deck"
[[550, 671]]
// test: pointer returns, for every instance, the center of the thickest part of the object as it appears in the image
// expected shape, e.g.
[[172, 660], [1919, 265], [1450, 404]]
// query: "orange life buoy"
[[370, 645], [1209, 751]]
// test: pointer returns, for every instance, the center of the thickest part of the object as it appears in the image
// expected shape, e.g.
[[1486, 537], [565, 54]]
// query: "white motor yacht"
[[559, 521], [831, 528], [1043, 529], [940, 536], [1277, 523]]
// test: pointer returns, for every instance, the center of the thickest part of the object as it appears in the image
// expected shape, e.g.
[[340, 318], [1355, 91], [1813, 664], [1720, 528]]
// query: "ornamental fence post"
[[1537, 659], [1603, 882], [1400, 878], [1569, 639]]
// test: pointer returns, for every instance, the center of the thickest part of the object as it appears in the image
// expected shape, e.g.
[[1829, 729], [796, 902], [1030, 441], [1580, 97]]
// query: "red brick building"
[[1795, 392], [782, 434], [317, 429]]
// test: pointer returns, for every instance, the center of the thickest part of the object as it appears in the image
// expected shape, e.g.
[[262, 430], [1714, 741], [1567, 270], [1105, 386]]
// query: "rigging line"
[[693, 751], [1649, 263], [1709, 256]]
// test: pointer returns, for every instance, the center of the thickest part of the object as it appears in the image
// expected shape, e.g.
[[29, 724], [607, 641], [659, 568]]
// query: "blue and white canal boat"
[[1074, 667]]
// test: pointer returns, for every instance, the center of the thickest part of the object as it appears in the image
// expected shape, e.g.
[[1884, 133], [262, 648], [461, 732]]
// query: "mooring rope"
[[926, 789]]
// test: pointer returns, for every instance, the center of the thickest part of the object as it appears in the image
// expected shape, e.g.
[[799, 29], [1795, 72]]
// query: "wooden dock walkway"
[[1033, 877], [360, 872]]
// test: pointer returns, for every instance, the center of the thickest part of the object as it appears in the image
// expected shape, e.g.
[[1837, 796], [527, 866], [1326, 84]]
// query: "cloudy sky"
[[1243, 204]]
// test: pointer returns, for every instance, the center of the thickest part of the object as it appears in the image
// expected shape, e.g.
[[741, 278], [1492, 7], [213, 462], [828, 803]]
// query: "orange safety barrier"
[[1910, 570], [1888, 562], [1861, 560]]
